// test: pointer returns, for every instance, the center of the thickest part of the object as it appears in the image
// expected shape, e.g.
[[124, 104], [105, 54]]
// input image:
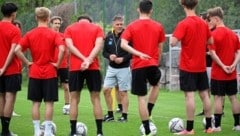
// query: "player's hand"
[[232, 68], [55, 65], [118, 60], [29, 64], [85, 65], [2, 71], [112, 57], [227, 69], [144, 56]]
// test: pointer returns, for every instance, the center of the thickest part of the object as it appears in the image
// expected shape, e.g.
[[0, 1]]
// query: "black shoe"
[[200, 114], [122, 119], [108, 118]]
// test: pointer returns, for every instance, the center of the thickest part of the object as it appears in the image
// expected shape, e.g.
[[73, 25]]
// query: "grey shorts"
[[118, 76]]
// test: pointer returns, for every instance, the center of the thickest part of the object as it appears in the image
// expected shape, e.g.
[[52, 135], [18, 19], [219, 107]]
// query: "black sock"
[[190, 125], [124, 115], [5, 124], [218, 118], [146, 126], [99, 126], [73, 126], [236, 119], [208, 123], [120, 106], [110, 113], [150, 107]]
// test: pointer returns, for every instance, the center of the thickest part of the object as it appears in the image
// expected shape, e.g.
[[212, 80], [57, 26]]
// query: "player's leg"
[[12, 84], [154, 76], [232, 94], [76, 80], [124, 84], [118, 98], [109, 82], [50, 89], [63, 74], [94, 85]]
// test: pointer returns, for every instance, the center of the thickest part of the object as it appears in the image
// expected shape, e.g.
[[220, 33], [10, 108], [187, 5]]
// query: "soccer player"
[[194, 34], [118, 71], [10, 65], [55, 23], [42, 42], [147, 37], [226, 54], [84, 41]]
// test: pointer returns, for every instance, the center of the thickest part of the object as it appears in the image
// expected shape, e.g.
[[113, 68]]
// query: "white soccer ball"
[[81, 129], [176, 125], [52, 125], [66, 109], [153, 129], [204, 121]]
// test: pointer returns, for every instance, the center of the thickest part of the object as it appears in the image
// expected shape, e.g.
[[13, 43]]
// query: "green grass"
[[169, 105]]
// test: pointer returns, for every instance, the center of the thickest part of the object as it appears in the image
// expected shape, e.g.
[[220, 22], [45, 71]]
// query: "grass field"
[[169, 105]]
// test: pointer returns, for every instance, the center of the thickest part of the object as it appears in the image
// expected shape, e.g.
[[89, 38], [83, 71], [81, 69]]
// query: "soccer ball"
[[81, 129], [53, 127], [204, 121], [153, 129], [176, 125], [66, 109]]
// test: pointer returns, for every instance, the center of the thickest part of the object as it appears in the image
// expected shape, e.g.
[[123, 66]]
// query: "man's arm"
[[73, 49], [173, 41], [19, 53], [125, 46], [61, 50], [8, 59]]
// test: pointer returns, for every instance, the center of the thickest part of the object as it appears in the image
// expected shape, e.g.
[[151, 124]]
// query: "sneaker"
[[200, 114], [151, 134], [208, 131], [107, 118], [15, 114], [217, 129], [236, 128], [122, 119], [185, 132], [99, 134], [118, 110]]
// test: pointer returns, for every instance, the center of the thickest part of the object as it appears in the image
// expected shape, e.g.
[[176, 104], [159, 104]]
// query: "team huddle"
[[73, 56]]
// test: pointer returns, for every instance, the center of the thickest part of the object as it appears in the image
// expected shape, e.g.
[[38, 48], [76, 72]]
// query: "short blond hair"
[[42, 13]]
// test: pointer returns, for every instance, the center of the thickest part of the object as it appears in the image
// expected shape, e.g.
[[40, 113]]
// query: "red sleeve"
[[179, 31], [100, 33], [67, 33], [16, 36], [24, 42], [162, 37], [127, 34]]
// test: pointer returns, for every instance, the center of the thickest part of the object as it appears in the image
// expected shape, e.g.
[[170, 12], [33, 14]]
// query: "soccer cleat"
[[122, 119], [107, 118], [208, 131], [217, 129], [118, 110], [185, 132], [236, 128], [151, 134], [15, 114], [200, 114]]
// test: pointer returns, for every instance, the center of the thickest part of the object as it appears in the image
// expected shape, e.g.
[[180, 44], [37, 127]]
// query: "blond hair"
[[42, 13]]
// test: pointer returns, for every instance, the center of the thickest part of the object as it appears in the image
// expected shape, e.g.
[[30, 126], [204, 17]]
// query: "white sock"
[[48, 129], [36, 124]]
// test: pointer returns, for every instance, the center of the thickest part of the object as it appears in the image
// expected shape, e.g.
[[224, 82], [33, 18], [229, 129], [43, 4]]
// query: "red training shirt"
[[226, 44], [83, 35], [64, 63], [193, 33], [9, 34], [42, 42], [145, 36]]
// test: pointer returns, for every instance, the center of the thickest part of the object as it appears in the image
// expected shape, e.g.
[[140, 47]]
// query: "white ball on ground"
[[176, 125], [52, 125], [81, 129], [212, 121], [152, 126]]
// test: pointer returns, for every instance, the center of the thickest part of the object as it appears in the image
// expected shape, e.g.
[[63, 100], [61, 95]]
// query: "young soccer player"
[[55, 23], [194, 35], [84, 41], [42, 43], [147, 37], [226, 54], [118, 71], [10, 66]]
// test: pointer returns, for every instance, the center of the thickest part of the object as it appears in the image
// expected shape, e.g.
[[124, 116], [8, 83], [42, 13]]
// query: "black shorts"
[[63, 75], [140, 77], [43, 89], [93, 80], [191, 81], [10, 83], [224, 87]]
